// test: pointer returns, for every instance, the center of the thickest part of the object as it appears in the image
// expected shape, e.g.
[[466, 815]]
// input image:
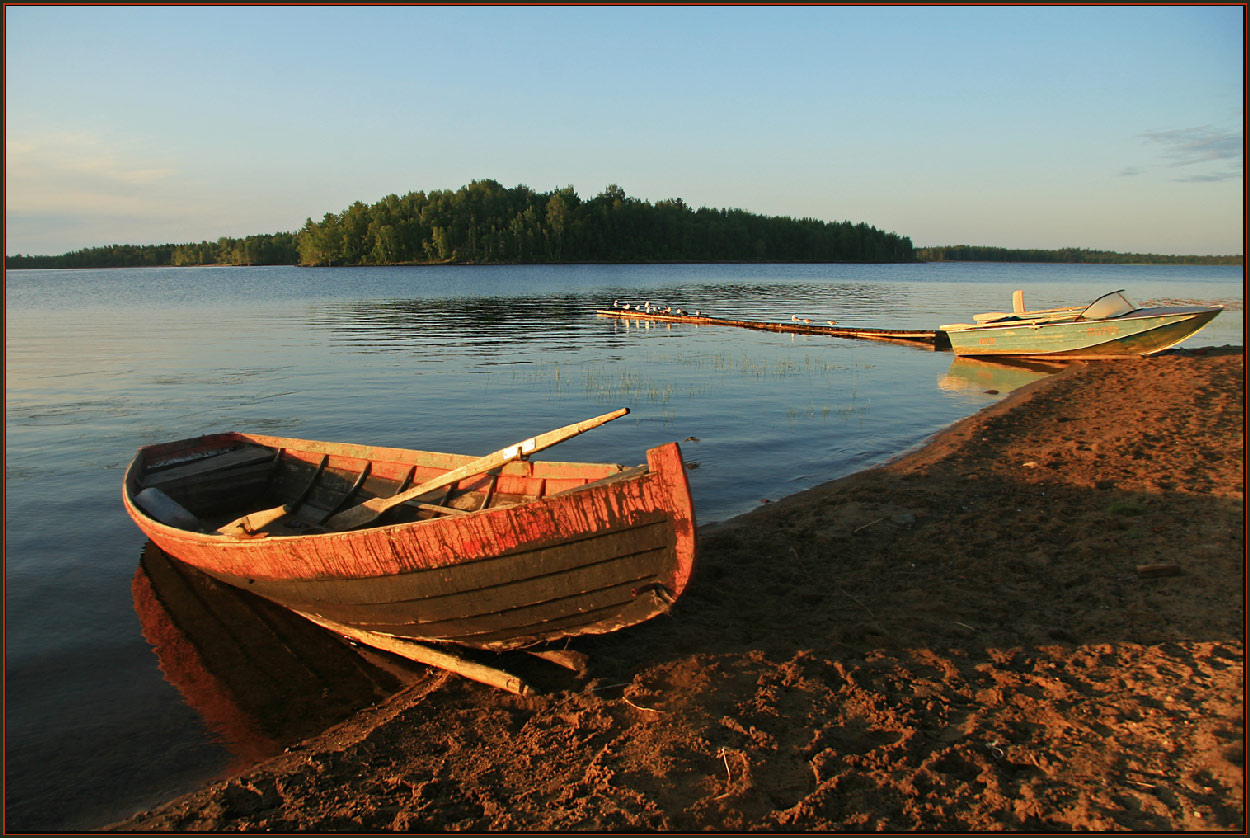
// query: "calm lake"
[[106, 708]]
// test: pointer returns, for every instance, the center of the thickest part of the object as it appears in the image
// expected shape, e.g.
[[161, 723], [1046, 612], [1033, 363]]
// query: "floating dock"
[[921, 339]]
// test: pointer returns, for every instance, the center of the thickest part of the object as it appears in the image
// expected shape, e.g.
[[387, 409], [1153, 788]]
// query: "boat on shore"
[[513, 556], [1109, 327]]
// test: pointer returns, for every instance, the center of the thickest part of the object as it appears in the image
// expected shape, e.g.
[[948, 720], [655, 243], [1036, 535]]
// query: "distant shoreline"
[[1239, 262]]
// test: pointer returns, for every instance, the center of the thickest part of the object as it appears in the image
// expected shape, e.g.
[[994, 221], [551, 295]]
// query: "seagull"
[[697, 313]]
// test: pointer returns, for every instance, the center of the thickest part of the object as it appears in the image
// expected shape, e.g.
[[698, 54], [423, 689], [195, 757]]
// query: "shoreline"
[[651, 262], [961, 639]]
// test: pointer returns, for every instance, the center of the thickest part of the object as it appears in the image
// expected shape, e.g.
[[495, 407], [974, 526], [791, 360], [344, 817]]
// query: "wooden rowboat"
[[522, 554]]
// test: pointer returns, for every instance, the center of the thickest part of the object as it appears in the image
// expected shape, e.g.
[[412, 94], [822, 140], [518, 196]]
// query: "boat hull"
[[572, 549], [1141, 333]]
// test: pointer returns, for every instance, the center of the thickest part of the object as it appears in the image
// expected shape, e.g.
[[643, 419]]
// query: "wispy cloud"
[[1211, 178], [1198, 146], [78, 171], [65, 190]]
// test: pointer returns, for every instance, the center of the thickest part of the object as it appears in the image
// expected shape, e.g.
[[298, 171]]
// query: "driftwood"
[[568, 658], [421, 653]]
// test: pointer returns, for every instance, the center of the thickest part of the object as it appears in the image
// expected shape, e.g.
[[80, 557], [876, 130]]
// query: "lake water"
[[463, 359]]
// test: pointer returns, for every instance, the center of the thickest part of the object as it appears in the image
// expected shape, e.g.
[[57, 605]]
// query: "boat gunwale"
[[138, 468], [1031, 323], [1088, 351]]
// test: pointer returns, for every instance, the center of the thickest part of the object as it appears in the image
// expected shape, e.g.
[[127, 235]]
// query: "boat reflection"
[[262, 677], [981, 380]]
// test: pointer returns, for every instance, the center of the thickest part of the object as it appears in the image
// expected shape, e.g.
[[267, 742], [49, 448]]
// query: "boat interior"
[[221, 484], [1114, 304]]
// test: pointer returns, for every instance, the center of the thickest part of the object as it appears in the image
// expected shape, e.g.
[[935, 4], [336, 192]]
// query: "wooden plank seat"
[[179, 473]]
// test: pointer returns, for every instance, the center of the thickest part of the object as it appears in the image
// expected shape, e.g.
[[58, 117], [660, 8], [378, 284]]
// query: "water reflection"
[[979, 380], [261, 677], [483, 323]]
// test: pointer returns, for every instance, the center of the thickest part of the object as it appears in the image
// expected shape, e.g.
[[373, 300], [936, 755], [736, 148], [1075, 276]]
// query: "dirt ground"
[[970, 638]]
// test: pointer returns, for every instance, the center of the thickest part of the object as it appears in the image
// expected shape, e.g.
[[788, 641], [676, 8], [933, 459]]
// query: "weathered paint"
[[1141, 333], [362, 575]]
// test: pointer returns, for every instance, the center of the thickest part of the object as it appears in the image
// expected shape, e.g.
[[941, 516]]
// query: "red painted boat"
[[523, 554]]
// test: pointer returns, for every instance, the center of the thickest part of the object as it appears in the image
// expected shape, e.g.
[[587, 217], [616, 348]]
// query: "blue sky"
[[1104, 127]]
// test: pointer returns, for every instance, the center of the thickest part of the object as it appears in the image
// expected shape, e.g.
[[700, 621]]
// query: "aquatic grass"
[[627, 385], [813, 411]]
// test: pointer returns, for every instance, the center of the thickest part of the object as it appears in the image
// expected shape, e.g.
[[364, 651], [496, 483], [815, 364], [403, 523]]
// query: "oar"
[[358, 516], [369, 511]]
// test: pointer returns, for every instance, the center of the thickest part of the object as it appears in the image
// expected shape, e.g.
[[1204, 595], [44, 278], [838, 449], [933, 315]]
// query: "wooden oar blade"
[[370, 510]]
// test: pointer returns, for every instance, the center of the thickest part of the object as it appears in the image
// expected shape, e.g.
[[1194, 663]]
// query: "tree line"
[[1072, 255], [487, 223], [275, 249]]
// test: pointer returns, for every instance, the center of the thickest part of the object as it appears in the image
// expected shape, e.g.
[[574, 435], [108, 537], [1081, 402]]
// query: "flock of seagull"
[[808, 321], [647, 308]]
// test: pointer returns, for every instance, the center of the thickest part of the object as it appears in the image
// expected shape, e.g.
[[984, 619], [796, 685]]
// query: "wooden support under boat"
[[923, 339], [571, 660], [429, 656]]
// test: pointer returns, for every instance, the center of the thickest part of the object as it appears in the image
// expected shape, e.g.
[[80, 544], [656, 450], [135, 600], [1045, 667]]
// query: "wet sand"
[[1035, 622]]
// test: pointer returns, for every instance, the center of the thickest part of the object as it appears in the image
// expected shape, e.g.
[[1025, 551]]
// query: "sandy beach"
[[1034, 622]]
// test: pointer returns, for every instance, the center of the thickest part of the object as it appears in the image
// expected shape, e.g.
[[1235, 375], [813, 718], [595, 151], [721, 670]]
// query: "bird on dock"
[[697, 313]]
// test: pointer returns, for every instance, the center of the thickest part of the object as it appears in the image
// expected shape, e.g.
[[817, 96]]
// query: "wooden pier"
[[918, 338]]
